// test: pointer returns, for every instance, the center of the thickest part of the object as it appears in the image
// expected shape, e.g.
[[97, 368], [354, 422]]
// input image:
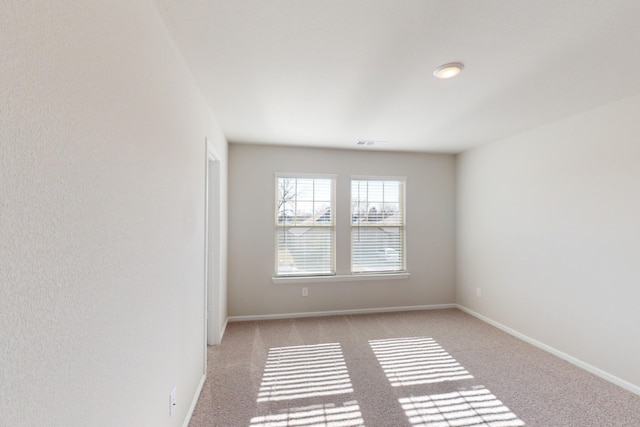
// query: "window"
[[305, 225], [377, 225]]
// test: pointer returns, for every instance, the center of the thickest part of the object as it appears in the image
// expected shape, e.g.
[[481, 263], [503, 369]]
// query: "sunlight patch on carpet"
[[304, 371], [469, 408], [417, 360], [327, 415]]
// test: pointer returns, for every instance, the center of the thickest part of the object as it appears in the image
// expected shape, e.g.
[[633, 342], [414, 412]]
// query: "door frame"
[[212, 250]]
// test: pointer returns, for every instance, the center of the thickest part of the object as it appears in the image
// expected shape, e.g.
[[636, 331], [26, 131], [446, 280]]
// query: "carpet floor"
[[438, 368]]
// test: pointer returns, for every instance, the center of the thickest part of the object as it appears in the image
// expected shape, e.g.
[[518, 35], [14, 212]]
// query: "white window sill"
[[340, 278]]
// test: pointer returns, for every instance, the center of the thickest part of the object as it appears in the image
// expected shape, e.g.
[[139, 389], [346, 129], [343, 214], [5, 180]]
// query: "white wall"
[[102, 161], [548, 228], [430, 230]]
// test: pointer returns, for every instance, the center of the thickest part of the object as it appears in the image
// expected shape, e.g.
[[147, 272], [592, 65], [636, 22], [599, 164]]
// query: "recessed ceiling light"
[[448, 71]]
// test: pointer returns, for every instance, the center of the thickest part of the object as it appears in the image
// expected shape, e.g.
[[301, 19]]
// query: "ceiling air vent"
[[366, 143]]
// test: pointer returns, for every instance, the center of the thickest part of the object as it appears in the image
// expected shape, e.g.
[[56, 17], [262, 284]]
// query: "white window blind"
[[377, 225], [305, 226]]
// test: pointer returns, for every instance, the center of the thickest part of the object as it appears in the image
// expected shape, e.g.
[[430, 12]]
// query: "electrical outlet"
[[479, 292], [305, 292], [172, 401]]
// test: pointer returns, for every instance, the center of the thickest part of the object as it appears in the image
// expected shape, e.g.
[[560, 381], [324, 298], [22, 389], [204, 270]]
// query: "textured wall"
[[101, 216], [548, 229], [430, 205]]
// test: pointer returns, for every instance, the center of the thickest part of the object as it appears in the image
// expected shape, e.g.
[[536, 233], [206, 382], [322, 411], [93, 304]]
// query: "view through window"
[[306, 232], [377, 225], [305, 226]]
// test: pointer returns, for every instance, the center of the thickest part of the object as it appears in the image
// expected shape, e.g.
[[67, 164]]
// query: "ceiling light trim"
[[448, 70]]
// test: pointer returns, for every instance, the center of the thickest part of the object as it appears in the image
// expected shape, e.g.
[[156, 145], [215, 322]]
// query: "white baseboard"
[[577, 362], [339, 312], [192, 407]]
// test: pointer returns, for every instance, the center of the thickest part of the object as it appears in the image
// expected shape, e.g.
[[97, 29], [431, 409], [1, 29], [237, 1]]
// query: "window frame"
[[331, 226], [402, 227]]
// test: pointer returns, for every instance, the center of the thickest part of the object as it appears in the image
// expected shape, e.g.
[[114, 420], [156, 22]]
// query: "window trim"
[[332, 227], [403, 227], [340, 278]]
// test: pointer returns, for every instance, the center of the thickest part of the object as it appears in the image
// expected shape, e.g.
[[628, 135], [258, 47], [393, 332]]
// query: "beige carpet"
[[439, 368]]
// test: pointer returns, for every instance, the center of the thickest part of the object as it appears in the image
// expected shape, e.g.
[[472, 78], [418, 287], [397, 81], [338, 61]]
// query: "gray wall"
[[548, 228], [102, 161], [430, 230]]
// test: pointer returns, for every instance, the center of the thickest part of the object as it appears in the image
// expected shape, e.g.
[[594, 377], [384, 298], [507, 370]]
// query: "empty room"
[[275, 213]]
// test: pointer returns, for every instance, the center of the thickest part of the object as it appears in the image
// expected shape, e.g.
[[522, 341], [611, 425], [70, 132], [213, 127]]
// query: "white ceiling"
[[331, 72]]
